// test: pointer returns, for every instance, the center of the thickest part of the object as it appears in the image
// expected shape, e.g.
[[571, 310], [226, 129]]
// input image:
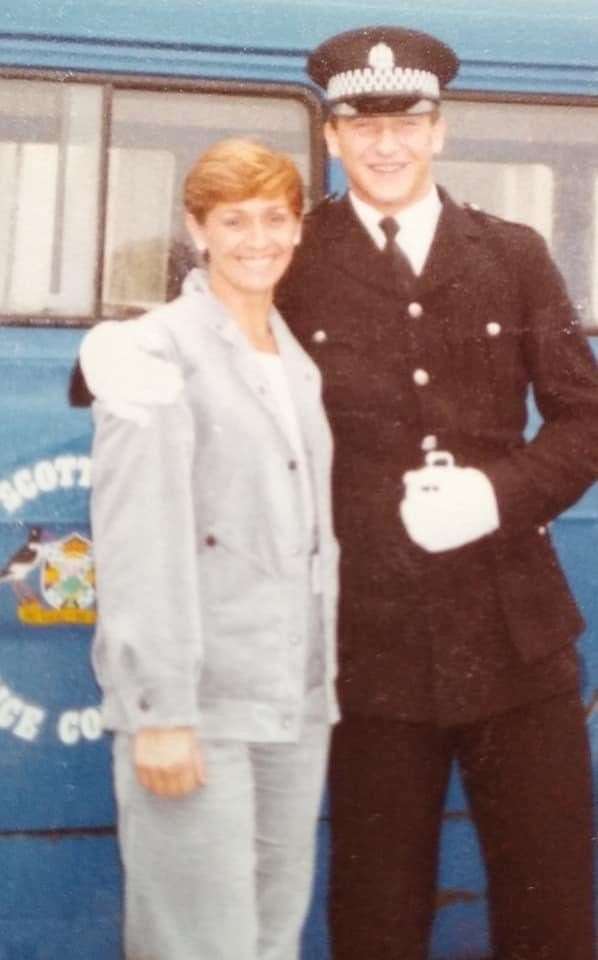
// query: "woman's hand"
[[168, 760]]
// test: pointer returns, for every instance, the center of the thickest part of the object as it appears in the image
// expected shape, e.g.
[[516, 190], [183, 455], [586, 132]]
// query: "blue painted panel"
[[54, 761], [460, 932], [507, 46], [525, 33], [316, 943], [50, 736], [60, 898], [461, 924]]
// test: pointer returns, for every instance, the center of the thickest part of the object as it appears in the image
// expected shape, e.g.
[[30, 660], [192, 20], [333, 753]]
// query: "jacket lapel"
[[301, 375], [303, 380], [350, 249], [248, 367], [450, 252], [244, 359]]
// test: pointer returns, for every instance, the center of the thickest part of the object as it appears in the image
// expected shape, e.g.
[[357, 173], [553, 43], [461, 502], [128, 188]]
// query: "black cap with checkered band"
[[382, 70]]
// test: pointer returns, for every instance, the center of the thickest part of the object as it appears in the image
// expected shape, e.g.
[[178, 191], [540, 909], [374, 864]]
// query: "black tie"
[[396, 257]]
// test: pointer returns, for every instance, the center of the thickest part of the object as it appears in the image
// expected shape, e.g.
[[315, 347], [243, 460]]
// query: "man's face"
[[387, 159]]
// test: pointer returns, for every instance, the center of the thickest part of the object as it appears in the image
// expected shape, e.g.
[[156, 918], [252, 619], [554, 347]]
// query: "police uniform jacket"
[[202, 552], [444, 361]]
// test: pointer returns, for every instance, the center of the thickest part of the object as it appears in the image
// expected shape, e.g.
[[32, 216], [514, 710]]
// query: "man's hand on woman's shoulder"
[[124, 370]]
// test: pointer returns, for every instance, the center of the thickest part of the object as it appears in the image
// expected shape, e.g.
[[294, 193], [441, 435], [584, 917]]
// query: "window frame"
[[531, 98], [111, 82]]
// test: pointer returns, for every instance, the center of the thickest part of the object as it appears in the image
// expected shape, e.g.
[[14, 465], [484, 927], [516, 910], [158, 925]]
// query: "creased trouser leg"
[[289, 789], [225, 873]]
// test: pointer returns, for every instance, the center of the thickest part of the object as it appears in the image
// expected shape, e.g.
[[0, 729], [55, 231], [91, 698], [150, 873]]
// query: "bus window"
[[520, 191], [535, 163], [49, 166], [155, 137], [90, 215]]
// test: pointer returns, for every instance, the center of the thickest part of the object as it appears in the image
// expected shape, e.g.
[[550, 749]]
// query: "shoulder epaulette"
[[482, 216], [476, 209]]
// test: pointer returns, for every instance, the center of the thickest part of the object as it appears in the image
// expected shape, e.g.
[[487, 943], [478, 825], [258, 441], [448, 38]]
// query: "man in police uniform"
[[429, 321]]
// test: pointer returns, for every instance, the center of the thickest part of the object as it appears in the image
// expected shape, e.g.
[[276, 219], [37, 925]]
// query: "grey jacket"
[[201, 549]]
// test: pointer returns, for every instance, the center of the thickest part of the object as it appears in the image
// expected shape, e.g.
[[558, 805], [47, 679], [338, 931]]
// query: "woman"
[[216, 571]]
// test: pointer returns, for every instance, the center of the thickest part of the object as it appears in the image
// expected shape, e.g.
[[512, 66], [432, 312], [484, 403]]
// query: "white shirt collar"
[[417, 226]]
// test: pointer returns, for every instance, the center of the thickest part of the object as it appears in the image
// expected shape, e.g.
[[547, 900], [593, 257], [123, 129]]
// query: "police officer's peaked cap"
[[382, 70]]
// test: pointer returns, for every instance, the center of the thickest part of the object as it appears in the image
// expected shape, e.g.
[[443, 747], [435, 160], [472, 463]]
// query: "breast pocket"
[[229, 574]]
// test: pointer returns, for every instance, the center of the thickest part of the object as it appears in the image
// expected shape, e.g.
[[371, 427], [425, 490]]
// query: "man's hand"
[[168, 760], [446, 507]]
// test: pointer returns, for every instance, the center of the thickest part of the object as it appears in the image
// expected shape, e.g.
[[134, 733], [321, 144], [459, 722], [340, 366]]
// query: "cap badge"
[[381, 57]]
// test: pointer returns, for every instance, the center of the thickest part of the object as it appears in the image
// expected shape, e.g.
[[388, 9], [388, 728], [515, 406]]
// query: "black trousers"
[[527, 775]]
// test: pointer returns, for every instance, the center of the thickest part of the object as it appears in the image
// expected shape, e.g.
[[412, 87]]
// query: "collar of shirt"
[[417, 226]]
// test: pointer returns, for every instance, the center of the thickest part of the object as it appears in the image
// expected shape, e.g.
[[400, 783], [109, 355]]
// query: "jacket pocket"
[[537, 602], [244, 612]]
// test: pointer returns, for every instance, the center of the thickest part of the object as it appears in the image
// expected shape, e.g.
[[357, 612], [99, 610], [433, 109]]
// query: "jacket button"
[[542, 531], [292, 464], [211, 540], [144, 704], [493, 329], [320, 336], [421, 377], [430, 442], [415, 310]]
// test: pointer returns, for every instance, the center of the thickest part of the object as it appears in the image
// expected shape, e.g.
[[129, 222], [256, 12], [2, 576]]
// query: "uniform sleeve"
[[537, 482], [148, 644]]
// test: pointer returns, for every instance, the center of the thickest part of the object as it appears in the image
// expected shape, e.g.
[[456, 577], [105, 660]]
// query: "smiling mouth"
[[388, 167], [259, 261]]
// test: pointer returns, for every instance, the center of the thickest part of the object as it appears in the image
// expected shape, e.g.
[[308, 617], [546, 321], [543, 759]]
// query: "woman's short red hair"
[[234, 170]]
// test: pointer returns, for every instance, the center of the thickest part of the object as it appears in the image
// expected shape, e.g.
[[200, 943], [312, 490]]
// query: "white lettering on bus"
[[45, 476], [75, 725], [23, 719]]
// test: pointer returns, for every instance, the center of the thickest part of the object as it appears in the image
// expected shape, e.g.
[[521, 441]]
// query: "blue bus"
[[102, 108]]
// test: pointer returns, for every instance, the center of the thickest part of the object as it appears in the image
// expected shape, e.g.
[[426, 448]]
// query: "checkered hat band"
[[389, 80]]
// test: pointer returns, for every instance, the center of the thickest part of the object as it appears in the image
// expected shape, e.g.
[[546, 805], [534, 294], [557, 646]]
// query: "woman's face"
[[250, 243]]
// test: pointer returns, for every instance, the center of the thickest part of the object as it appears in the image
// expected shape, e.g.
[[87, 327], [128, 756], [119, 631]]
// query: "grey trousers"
[[226, 872]]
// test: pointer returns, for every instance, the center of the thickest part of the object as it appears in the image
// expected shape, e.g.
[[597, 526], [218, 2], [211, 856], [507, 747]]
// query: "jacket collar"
[[350, 248], [244, 359], [214, 314]]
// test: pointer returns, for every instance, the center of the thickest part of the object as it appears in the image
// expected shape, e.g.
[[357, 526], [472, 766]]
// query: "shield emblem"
[[67, 574]]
